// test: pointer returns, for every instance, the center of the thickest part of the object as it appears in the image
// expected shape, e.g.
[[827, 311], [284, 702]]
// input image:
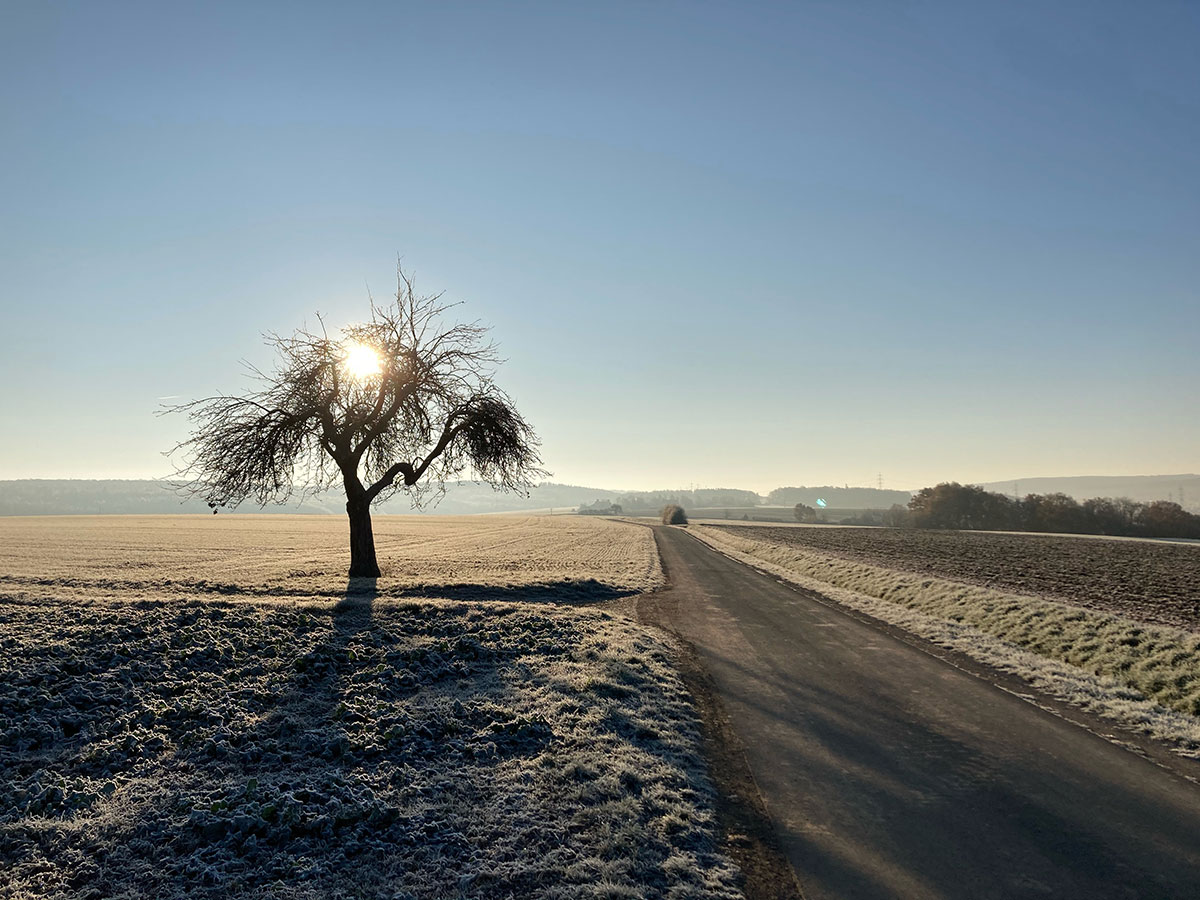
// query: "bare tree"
[[389, 402]]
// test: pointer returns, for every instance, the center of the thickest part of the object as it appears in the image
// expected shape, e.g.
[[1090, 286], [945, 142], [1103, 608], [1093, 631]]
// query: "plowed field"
[[1153, 582]]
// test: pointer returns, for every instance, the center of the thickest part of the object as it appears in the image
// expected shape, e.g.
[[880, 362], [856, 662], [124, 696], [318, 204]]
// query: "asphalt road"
[[888, 772]]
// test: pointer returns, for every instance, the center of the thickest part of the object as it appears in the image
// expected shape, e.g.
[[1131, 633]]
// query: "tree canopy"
[[424, 411]]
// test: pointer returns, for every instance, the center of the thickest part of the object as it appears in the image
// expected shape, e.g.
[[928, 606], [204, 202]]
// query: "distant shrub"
[[870, 517], [673, 514], [896, 517]]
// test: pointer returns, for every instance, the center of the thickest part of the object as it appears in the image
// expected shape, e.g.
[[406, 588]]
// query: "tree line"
[[700, 498], [838, 497], [970, 507]]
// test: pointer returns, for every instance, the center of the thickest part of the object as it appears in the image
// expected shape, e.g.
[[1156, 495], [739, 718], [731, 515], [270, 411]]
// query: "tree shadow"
[[360, 589], [352, 613], [298, 795], [581, 592]]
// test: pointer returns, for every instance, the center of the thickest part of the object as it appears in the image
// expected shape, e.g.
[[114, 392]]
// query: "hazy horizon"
[[763, 488], [741, 246], [994, 483]]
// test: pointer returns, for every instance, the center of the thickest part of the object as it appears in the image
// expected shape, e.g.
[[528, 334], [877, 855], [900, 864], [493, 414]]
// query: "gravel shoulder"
[[750, 836]]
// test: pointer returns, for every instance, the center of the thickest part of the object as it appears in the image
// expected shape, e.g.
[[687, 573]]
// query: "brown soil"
[[1151, 582]]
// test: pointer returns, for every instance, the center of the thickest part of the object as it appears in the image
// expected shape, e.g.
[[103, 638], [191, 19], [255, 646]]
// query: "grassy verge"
[[1146, 676], [368, 748]]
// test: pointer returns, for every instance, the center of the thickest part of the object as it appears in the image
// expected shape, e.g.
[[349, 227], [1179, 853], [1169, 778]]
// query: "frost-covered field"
[[1145, 676], [217, 725], [297, 556]]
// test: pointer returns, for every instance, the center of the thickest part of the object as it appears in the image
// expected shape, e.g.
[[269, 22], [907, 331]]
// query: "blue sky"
[[719, 244]]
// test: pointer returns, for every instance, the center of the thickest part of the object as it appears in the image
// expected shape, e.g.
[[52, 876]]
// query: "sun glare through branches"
[[361, 361]]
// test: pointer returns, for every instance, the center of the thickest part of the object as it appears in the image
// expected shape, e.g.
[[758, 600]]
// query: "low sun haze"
[[744, 245]]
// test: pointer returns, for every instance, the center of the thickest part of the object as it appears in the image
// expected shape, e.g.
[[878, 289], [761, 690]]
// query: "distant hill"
[[148, 497], [1182, 489], [34, 497], [841, 497], [643, 502], [468, 498]]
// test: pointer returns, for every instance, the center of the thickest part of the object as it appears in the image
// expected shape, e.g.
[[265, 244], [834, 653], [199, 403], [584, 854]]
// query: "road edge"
[[1154, 751], [748, 833]]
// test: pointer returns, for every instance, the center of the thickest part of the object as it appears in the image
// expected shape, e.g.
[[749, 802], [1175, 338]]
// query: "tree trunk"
[[362, 540]]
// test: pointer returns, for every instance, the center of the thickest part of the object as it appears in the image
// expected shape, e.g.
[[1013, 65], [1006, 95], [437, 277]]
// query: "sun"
[[361, 361]]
